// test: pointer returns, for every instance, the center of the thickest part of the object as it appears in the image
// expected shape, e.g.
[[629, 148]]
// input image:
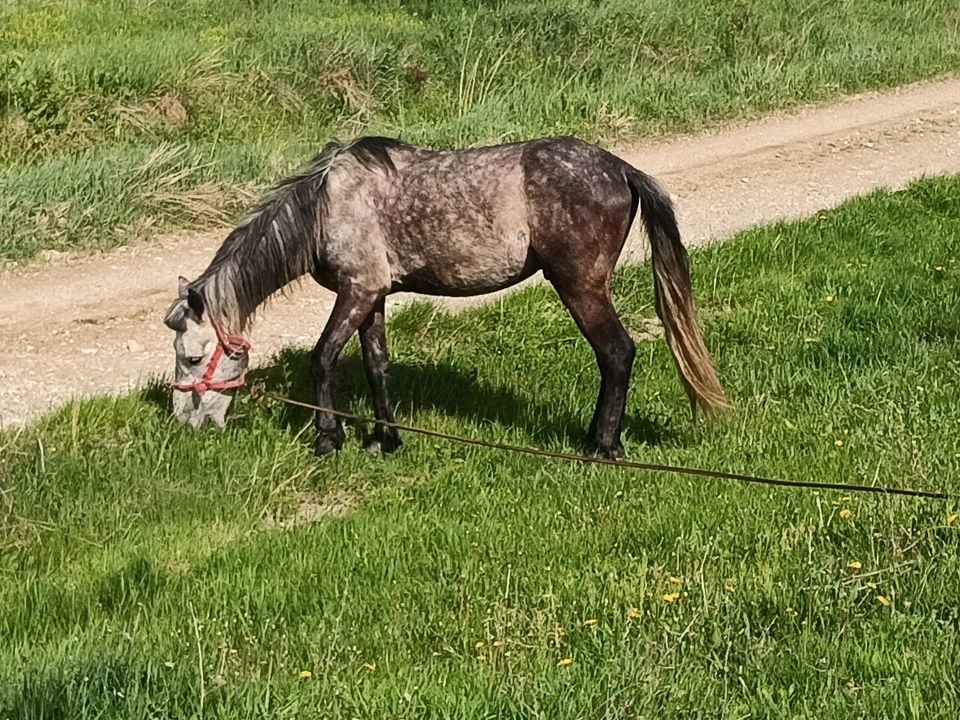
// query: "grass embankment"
[[150, 571], [119, 118]]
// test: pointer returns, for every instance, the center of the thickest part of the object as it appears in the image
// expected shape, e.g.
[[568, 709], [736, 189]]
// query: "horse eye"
[[194, 360]]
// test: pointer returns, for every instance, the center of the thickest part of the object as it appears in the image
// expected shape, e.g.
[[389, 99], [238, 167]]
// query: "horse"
[[376, 215]]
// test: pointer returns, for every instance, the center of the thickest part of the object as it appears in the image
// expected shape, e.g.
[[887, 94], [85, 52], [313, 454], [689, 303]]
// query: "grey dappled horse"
[[378, 216]]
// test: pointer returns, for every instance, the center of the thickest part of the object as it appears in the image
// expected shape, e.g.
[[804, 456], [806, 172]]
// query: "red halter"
[[229, 344]]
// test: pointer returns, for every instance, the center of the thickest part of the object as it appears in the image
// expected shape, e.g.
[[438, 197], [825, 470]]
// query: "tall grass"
[[88, 90], [150, 571]]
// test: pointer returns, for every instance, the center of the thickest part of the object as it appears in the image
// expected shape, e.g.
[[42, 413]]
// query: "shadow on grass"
[[414, 388], [445, 389], [157, 393], [70, 692]]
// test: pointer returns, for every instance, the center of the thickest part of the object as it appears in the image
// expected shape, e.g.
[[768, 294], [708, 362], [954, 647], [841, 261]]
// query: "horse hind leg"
[[376, 366], [593, 311]]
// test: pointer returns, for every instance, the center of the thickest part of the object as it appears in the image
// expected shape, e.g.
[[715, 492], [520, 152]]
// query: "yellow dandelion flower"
[[305, 674], [675, 580], [883, 601], [480, 645], [592, 622], [566, 662], [671, 597], [633, 613], [828, 298], [846, 514], [939, 268], [809, 339], [854, 564], [952, 519], [838, 443]]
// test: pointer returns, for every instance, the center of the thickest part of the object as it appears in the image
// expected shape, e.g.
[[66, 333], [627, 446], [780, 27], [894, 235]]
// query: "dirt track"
[[93, 326]]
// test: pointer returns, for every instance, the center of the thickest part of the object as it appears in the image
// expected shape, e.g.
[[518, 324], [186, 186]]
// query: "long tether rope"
[[256, 394]]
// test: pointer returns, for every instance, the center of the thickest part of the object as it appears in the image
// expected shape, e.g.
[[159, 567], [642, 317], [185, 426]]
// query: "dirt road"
[[93, 326]]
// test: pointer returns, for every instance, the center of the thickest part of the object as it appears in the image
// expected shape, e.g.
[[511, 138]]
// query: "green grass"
[[235, 93], [150, 571]]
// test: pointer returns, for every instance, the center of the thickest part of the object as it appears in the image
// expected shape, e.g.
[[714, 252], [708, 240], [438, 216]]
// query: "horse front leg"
[[350, 309], [376, 365]]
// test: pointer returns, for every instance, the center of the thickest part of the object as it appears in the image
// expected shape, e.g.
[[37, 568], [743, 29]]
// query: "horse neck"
[[256, 261], [276, 245]]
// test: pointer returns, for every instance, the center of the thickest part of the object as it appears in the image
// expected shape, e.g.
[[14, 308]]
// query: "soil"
[[81, 326]]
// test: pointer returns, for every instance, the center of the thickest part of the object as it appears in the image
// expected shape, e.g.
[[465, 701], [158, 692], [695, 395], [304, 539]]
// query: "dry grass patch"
[[167, 110], [312, 508]]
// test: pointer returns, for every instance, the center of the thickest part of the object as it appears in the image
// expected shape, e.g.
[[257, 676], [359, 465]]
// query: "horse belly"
[[467, 239], [484, 262], [467, 263]]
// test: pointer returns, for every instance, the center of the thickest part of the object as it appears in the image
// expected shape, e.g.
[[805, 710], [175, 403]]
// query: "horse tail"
[[673, 296]]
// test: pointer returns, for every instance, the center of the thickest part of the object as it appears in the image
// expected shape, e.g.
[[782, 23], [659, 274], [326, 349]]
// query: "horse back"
[[472, 221]]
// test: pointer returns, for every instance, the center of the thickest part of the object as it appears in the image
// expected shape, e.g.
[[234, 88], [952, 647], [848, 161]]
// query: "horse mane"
[[276, 242]]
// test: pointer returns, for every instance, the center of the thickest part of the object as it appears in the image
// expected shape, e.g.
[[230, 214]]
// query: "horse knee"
[[321, 361], [375, 358]]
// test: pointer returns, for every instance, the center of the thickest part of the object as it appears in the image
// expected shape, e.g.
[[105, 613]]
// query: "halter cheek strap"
[[229, 344]]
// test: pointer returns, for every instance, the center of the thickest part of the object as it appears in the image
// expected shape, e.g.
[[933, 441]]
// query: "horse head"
[[210, 364]]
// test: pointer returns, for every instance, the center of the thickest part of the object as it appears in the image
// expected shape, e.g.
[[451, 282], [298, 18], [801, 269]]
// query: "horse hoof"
[[607, 452], [325, 445], [611, 453], [383, 446], [389, 443]]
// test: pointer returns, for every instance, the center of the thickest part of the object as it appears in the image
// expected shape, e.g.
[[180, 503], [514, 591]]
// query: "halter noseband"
[[226, 343]]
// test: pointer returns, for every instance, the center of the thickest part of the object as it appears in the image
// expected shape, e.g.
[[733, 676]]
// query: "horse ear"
[[195, 303], [176, 317], [182, 290]]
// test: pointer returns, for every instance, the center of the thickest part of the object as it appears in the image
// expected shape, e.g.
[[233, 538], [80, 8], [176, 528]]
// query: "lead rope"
[[257, 394]]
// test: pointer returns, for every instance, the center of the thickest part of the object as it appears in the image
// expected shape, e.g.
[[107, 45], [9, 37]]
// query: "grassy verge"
[[149, 571], [230, 94]]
